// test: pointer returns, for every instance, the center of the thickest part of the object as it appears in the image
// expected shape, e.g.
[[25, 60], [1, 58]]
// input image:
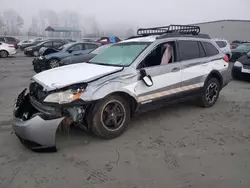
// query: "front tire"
[[4, 54], [53, 63], [110, 117], [210, 93]]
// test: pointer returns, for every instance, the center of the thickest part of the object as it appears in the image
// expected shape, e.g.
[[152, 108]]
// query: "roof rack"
[[181, 29]]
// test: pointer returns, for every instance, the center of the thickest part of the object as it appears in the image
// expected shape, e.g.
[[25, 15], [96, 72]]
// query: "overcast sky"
[[138, 12]]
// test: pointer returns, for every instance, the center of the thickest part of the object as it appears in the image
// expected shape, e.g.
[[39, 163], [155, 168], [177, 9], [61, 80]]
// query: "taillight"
[[11, 46], [226, 58]]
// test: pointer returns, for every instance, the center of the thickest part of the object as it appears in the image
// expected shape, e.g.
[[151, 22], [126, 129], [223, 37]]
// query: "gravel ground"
[[177, 146]]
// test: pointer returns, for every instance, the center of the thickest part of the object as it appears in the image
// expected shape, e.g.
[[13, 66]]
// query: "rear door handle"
[[176, 69]]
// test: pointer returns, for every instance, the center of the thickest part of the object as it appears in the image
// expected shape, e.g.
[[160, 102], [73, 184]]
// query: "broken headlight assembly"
[[64, 97]]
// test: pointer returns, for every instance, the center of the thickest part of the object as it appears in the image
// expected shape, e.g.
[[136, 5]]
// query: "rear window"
[[210, 49], [190, 50], [11, 39], [221, 44]]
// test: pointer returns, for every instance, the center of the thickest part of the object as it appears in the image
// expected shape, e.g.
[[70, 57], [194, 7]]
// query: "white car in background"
[[224, 46], [7, 49]]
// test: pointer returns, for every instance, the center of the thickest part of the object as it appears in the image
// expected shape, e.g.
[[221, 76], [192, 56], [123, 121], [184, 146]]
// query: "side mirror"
[[146, 78], [70, 51]]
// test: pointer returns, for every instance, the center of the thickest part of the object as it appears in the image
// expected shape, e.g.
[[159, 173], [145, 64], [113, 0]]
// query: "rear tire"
[[210, 93], [110, 117], [4, 54]]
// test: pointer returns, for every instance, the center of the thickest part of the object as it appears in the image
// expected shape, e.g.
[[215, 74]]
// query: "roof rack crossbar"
[[182, 29]]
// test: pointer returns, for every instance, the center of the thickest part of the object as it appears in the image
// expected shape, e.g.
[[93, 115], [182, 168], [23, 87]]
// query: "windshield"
[[100, 49], [245, 47], [122, 54]]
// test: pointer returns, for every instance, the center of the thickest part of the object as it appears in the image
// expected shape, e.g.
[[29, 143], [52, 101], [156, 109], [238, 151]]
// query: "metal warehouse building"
[[227, 29]]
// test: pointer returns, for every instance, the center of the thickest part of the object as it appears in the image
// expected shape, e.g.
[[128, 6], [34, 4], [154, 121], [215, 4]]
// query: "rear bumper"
[[12, 52]]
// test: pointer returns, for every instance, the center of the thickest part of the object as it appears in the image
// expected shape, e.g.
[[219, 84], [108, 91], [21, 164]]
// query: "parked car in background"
[[23, 42], [7, 49], [83, 58], [49, 61], [239, 51], [87, 40], [9, 40], [224, 46], [32, 43], [241, 68], [38, 39], [34, 50], [236, 43], [108, 40]]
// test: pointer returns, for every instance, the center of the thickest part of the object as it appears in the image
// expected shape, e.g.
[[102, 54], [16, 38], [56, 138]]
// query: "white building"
[[227, 29]]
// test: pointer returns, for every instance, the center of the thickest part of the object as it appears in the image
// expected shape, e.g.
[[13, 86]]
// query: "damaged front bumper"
[[35, 129]]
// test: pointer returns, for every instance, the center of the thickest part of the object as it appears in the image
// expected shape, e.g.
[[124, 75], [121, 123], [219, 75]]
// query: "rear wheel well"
[[217, 75], [5, 51]]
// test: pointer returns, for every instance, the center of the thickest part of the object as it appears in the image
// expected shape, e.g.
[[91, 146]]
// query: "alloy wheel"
[[113, 115], [212, 92], [54, 63], [3, 54]]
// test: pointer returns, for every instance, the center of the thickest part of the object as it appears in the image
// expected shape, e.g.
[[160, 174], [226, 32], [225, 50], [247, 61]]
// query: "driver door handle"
[[176, 69]]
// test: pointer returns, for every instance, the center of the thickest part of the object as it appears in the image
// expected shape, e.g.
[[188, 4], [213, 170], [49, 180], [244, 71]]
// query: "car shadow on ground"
[[76, 137]]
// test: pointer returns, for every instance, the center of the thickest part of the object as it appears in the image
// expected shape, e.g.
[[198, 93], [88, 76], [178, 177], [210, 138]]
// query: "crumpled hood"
[[72, 74]]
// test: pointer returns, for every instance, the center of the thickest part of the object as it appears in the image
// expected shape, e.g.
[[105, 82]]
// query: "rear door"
[[193, 62]]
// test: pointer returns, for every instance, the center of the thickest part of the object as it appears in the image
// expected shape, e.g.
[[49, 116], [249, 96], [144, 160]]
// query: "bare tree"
[[2, 25], [14, 22]]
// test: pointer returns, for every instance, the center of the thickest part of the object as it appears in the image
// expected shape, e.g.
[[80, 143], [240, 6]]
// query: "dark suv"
[[9, 40]]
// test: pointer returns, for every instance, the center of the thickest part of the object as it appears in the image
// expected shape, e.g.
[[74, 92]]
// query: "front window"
[[122, 54]]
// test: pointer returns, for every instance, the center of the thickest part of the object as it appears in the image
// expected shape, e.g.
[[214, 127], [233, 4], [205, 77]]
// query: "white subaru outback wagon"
[[155, 67]]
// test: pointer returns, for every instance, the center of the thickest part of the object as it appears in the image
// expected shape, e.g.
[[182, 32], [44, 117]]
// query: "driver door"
[[76, 49], [166, 78]]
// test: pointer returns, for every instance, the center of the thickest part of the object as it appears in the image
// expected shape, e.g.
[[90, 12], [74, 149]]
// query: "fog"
[[117, 14]]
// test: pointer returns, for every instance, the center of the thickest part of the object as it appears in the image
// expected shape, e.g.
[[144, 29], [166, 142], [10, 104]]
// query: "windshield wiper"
[[106, 64]]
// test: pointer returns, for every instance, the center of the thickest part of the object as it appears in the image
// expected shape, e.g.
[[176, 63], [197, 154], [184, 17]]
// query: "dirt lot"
[[178, 146]]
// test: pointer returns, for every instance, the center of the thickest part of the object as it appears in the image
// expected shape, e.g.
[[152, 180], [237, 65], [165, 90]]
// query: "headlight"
[[29, 49], [41, 57], [238, 64], [64, 96]]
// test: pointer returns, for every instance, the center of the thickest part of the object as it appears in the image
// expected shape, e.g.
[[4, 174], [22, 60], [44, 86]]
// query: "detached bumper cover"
[[42, 133], [37, 131]]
